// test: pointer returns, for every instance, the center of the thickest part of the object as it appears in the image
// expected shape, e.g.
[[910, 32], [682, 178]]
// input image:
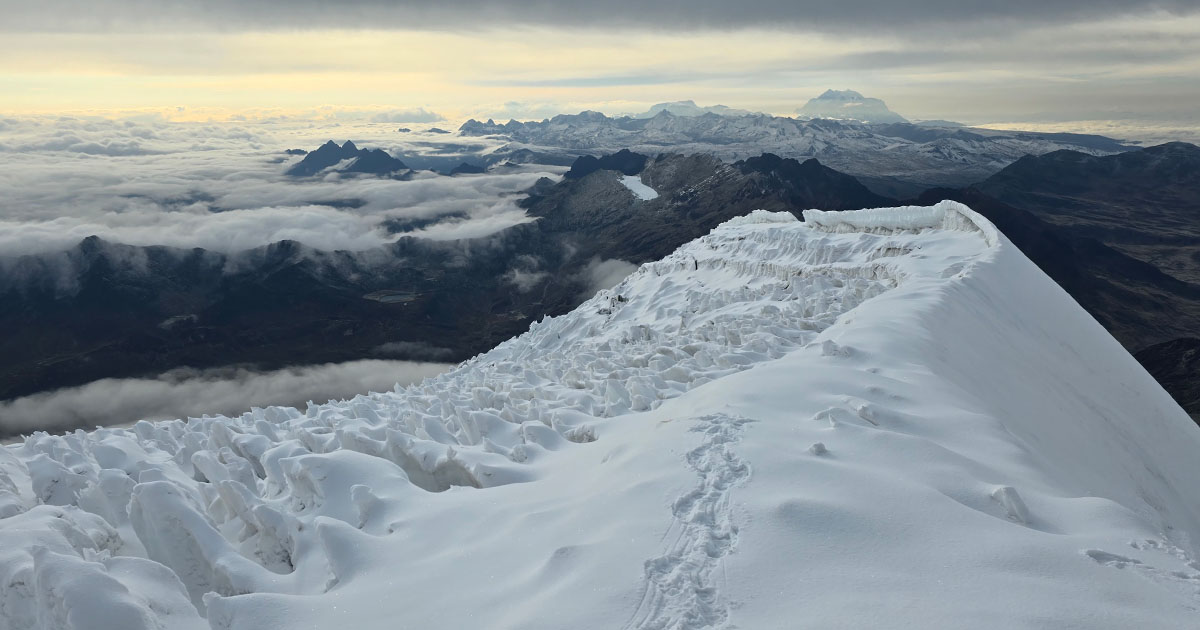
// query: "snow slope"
[[882, 418]]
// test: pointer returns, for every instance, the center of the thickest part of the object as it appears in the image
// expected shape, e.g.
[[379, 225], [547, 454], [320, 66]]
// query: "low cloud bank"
[[419, 115], [414, 350], [187, 392], [222, 186], [606, 274]]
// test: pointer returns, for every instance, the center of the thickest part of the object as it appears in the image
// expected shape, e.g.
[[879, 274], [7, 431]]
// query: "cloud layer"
[[81, 15], [221, 187], [971, 61], [185, 392]]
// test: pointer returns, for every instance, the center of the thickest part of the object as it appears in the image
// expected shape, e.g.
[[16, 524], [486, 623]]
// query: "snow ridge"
[[235, 505], [282, 517], [229, 504], [946, 215]]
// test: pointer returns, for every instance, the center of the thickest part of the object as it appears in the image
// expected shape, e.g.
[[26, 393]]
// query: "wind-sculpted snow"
[[584, 474], [943, 216]]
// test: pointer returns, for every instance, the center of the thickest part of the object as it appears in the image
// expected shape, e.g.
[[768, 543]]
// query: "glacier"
[[875, 418]]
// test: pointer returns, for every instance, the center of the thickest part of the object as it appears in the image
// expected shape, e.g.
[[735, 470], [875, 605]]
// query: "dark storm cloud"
[[869, 15]]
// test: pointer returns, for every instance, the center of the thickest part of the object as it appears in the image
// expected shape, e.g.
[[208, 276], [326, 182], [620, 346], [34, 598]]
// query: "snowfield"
[[638, 188], [885, 418]]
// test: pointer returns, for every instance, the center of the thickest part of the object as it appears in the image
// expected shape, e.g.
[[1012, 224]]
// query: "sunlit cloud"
[[977, 71]]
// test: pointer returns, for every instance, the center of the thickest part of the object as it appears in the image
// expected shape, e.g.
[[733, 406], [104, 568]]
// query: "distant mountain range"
[[897, 159]]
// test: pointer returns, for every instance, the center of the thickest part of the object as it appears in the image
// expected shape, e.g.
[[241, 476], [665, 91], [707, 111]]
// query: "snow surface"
[[639, 189], [884, 418]]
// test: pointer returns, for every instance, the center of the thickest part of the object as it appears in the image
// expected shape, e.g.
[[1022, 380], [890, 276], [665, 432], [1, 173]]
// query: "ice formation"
[[874, 418]]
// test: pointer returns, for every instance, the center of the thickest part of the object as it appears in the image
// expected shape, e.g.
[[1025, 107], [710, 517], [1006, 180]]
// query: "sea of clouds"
[[144, 180], [221, 186]]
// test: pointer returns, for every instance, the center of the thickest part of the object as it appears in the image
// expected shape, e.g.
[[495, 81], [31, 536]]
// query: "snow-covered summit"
[[849, 105], [878, 418], [943, 156]]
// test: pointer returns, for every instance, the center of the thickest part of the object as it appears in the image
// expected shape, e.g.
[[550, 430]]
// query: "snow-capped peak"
[[849, 105], [840, 95]]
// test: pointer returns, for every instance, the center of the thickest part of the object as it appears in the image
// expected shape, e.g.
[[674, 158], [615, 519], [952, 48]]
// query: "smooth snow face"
[[640, 190], [882, 418]]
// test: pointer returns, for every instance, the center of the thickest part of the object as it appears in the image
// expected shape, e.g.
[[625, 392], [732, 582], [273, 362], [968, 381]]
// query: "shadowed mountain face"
[[695, 194], [467, 169], [1175, 365], [365, 161], [811, 183], [1179, 377], [1121, 234], [1138, 303], [624, 161], [110, 310], [1145, 203]]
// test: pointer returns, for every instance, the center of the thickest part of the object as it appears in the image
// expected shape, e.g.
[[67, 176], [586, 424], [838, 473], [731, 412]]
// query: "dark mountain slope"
[[1139, 304], [1145, 203], [1175, 364], [1121, 233], [696, 193]]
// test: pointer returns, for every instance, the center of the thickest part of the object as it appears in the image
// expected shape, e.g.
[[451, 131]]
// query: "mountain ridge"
[[916, 156], [364, 161]]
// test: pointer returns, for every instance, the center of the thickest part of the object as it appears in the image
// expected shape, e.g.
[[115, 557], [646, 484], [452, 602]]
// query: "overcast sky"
[[970, 60]]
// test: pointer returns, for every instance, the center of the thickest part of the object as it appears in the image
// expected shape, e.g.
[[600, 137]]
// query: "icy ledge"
[[764, 408], [947, 215]]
